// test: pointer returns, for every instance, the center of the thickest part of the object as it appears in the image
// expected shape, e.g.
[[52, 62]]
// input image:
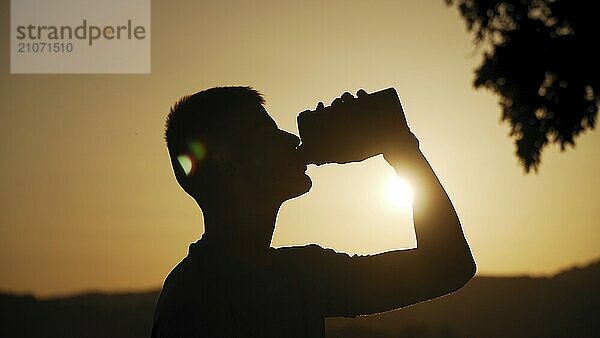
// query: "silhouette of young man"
[[230, 156]]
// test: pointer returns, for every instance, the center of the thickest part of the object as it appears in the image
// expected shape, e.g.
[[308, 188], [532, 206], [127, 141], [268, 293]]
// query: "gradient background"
[[89, 200]]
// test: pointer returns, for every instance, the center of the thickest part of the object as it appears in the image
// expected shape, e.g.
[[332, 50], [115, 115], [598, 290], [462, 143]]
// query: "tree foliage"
[[540, 60]]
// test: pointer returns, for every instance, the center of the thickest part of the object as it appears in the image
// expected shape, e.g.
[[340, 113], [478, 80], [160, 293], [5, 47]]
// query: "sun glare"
[[399, 192]]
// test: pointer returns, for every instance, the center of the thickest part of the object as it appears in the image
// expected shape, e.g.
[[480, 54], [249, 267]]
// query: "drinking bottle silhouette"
[[347, 130]]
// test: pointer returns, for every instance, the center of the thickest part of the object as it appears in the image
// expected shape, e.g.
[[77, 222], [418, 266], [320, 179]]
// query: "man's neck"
[[240, 232]]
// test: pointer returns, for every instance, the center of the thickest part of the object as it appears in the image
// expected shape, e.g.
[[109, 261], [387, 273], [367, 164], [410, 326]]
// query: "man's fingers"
[[347, 96], [361, 93]]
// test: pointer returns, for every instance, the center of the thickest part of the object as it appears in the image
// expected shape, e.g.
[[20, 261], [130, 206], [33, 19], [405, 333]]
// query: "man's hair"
[[198, 122]]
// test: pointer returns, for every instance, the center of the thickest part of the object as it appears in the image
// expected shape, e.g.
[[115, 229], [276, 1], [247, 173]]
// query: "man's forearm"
[[441, 263], [440, 238]]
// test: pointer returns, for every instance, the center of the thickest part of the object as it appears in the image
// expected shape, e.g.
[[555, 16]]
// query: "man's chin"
[[299, 187]]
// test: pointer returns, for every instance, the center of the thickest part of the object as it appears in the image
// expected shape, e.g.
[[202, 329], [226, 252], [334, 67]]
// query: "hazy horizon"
[[90, 201], [157, 288]]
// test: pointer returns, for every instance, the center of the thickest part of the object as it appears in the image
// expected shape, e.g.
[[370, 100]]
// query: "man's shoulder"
[[184, 285], [189, 274], [178, 279]]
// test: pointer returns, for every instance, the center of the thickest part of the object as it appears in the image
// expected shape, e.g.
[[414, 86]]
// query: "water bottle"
[[352, 128]]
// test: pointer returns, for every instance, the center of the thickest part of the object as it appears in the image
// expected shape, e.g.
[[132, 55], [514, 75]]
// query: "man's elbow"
[[454, 271], [463, 273]]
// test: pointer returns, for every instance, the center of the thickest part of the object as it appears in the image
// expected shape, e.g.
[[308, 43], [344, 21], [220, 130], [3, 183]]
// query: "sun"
[[399, 193]]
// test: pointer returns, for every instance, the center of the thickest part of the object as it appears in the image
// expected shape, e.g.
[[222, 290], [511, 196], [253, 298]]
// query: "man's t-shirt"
[[288, 294]]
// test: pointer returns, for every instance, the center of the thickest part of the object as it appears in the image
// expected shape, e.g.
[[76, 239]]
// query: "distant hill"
[[566, 305], [85, 316]]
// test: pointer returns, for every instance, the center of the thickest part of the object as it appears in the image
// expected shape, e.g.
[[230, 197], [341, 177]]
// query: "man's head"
[[225, 148]]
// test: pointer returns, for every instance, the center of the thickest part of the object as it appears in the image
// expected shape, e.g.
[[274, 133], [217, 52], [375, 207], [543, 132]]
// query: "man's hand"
[[353, 129]]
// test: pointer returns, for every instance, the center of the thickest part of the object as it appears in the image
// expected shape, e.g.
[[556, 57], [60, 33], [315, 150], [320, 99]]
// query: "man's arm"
[[441, 263]]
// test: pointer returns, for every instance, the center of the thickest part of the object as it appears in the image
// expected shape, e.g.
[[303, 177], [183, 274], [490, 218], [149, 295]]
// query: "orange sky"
[[89, 200]]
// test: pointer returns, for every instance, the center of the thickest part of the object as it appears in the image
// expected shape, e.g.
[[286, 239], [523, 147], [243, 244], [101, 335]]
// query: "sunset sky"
[[89, 200]]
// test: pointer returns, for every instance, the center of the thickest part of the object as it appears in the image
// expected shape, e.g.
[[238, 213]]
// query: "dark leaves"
[[540, 62]]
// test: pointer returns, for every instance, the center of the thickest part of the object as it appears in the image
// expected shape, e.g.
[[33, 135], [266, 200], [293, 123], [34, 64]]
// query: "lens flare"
[[198, 150], [186, 163]]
